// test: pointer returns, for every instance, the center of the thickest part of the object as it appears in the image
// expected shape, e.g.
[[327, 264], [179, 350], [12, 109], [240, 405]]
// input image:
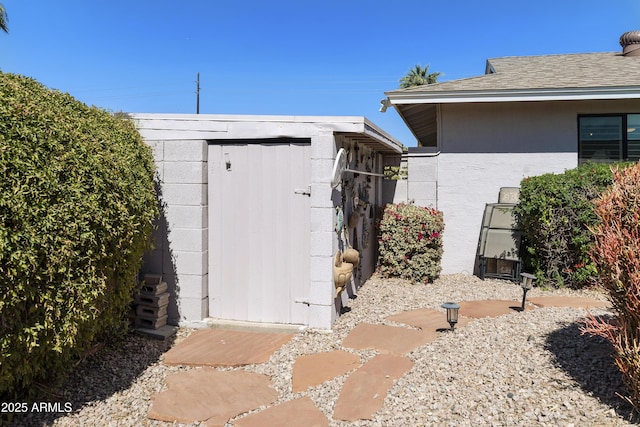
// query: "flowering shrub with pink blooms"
[[410, 242]]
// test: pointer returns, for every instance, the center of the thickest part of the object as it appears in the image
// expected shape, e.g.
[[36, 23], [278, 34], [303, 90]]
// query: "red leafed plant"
[[617, 257]]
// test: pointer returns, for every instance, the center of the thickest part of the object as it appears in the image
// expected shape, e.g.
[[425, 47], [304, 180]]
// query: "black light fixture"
[[527, 284], [452, 313]]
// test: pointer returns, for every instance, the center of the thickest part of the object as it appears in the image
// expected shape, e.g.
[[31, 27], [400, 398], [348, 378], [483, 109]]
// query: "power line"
[[198, 94]]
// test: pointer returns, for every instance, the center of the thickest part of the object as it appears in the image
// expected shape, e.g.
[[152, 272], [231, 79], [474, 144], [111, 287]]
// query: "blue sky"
[[331, 57]]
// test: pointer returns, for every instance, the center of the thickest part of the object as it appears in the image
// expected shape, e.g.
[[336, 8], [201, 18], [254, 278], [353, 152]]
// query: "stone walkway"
[[214, 396]]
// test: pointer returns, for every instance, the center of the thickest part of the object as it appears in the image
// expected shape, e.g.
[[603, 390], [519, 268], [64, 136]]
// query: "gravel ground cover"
[[522, 369]]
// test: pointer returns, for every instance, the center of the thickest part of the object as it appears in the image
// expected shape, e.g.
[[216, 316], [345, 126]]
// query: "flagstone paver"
[[490, 308], [576, 302], [387, 339], [313, 369], [364, 391], [427, 319], [207, 394], [217, 347], [297, 412]]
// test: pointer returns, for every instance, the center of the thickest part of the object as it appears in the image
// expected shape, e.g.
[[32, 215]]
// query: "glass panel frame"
[[600, 139], [633, 137]]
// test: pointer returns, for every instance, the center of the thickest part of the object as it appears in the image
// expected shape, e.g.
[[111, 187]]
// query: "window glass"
[[600, 139], [633, 137]]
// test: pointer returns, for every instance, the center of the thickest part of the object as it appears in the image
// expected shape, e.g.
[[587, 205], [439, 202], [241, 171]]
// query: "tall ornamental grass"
[[616, 254]]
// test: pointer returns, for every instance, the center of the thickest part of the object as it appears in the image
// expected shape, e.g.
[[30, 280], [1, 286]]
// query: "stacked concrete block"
[[181, 236], [152, 303], [422, 180], [323, 245]]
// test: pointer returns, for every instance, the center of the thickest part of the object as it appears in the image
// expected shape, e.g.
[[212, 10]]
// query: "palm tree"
[[3, 19], [418, 76]]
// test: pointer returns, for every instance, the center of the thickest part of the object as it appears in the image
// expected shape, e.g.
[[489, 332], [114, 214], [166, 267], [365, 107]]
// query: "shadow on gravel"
[[112, 369], [588, 360]]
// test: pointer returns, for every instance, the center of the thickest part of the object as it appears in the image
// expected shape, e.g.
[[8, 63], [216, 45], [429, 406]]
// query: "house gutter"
[[422, 152], [510, 95]]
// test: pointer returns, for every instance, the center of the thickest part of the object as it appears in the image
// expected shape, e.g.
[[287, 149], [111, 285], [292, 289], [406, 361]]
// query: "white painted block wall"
[[180, 149], [322, 310], [422, 187], [421, 184], [181, 246]]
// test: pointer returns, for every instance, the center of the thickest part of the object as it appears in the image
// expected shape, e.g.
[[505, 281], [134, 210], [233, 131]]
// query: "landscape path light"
[[452, 313], [527, 284]]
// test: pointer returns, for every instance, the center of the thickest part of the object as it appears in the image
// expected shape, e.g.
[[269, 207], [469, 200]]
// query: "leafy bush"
[[616, 254], [77, 203], [555, 213], [410, 242]]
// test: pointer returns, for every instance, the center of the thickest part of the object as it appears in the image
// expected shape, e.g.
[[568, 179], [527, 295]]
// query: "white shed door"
[[259, 231]]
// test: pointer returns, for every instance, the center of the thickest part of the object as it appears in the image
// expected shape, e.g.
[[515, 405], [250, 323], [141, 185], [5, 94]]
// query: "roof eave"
[[383, 137], [406, 122], [514, 95]]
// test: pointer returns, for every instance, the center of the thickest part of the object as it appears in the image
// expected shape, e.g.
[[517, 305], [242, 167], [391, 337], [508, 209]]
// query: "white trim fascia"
[[516, 95], [250, 118], [375, 132], [209, 126]]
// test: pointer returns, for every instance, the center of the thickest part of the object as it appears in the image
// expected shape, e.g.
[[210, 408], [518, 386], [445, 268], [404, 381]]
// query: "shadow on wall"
[[588, 360], [394, 188], [161, 260], [355, 207], [337, 199]]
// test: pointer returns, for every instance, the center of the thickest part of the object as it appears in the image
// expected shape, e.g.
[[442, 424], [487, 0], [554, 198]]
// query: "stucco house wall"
[[485, 146], [518, 119]]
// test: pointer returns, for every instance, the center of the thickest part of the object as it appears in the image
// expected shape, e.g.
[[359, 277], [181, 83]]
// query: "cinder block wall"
[[395, 190], [181, 152], [322, 307], [421, 183], [180, 237]]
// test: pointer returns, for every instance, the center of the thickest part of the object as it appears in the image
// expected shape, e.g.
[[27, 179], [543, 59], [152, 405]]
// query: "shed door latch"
[[306, 192]]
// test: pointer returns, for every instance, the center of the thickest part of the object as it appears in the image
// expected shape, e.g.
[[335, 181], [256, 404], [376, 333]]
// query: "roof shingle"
[[582, 70]]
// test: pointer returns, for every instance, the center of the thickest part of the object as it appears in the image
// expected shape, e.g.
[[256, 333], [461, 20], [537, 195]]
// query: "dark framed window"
[[608, 138]]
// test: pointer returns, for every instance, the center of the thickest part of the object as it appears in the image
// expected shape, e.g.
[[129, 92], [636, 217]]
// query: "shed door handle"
[[306, 192]]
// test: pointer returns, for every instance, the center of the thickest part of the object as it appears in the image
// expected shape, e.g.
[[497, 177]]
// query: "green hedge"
[[555, 212], [410, 242], [77, 203]]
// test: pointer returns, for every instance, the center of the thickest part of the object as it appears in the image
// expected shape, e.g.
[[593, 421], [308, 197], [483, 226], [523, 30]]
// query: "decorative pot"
[[342, 272], [351, 255], [353, 219]]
